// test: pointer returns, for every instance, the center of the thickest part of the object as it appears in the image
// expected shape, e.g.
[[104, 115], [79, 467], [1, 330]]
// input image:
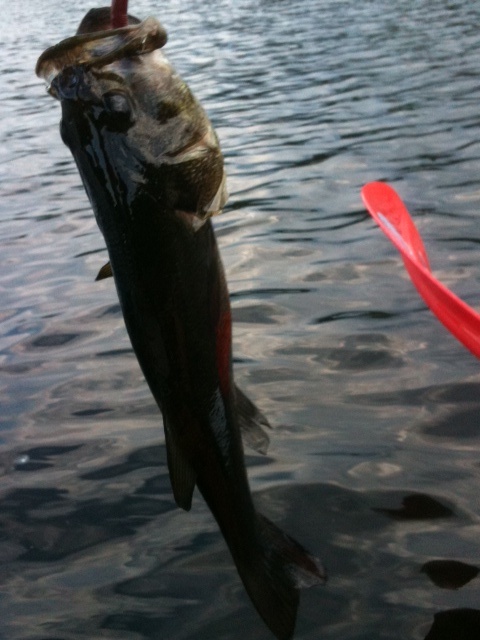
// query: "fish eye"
[[119, 110], [71, 80]]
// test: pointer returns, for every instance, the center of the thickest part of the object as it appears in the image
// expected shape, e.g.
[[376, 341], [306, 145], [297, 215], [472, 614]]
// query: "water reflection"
[[371, 402], [112, 537]]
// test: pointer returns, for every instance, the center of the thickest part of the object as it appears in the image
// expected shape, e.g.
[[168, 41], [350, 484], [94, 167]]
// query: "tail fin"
[[274, 576]]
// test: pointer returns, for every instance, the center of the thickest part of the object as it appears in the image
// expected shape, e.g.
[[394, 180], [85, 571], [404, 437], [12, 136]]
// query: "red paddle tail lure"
[[390, 213]]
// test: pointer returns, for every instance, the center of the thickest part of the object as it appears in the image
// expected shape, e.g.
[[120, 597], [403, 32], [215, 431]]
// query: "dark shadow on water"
[[457, 423], [39, 458], [181, 582], [83, 525], [77, 524], [50, 340], [454, 393], [454, 409], [456, 624], [450, 574], [83, 413], [346, 315], [418, 507], [146, 457]]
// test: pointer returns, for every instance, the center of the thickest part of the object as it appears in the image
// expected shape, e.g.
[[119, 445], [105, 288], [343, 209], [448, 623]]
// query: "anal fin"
[[182, 475], [252, 423]]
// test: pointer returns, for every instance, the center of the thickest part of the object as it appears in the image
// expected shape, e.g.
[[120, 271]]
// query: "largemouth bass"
[[152, 167]]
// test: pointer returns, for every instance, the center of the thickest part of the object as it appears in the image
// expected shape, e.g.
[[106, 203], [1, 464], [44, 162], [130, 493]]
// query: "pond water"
[[374, 461]]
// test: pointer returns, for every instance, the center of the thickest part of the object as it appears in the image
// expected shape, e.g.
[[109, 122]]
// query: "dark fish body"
[[153, 170]]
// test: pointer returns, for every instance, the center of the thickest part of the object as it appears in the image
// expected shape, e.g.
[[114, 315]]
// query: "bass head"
[[124, 107]]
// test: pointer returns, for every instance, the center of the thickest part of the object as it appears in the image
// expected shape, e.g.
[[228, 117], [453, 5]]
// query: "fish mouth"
[[98, 49]]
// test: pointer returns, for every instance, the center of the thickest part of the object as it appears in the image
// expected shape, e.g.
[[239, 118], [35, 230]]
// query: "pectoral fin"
[[182, 476], [219, 200], [105, 272], [252, 422]]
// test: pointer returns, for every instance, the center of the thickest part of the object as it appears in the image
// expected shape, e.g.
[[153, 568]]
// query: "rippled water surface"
[[374, 460]]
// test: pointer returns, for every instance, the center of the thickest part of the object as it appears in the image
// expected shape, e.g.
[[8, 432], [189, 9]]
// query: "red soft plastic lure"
[[390, 213]]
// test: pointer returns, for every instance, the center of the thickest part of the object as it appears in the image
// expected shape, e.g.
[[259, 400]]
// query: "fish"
[[152, 167]]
